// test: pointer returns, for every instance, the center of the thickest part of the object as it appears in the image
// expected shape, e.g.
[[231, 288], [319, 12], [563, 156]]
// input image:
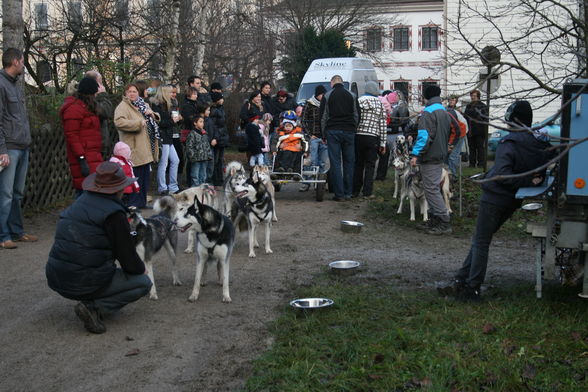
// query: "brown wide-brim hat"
[[109, 178]]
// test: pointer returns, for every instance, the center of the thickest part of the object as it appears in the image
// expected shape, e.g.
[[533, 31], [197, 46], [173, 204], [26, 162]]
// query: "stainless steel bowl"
[[344, 265], [311, 303], [351, 226], [532, 206]]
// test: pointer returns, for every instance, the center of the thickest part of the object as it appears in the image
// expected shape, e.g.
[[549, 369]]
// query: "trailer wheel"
[[320, 191]]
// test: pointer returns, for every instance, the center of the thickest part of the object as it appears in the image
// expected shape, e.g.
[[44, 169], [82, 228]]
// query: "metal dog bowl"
[[532, 206], [311, 303], [344, 265], [351, 226]]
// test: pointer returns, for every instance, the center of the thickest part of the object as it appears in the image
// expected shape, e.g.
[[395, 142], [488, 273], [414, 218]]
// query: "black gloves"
[[84, 166]]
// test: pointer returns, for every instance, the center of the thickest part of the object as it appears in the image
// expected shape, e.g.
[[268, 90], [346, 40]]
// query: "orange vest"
[[292, 141]]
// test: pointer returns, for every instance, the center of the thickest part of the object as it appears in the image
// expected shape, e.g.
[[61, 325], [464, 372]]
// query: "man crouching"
[[91, 234]]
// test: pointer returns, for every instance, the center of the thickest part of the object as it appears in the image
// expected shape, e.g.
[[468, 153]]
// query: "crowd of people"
[[349, 138]]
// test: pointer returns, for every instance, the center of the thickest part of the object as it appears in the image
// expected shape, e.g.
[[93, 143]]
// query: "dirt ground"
[[208, 345]]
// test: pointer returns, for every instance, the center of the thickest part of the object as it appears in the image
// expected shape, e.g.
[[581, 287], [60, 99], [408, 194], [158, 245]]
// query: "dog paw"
[[268, 251], [177, 282], [412, 219], [252, 254], [154, 297], [188, 250], [227, 300], [274, 219], [193, 298]]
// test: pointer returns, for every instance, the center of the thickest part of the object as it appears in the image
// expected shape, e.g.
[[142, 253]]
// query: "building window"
[[121, 9], [425, 84], [430, 38], [403, 86], [75, 15], [44, 71], [373, 40], [41, 18], [401, 38]]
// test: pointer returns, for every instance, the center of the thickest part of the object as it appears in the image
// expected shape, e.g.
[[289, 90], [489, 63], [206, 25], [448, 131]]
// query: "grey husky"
[[154, 233], [215, 236]]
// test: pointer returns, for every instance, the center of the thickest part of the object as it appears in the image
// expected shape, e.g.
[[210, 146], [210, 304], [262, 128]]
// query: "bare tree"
[[12, 24]]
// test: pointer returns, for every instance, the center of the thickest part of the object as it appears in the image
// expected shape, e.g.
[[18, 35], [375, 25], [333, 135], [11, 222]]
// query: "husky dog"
[[253, 206], [216, 236], [400, 160], [445, 189], [236, 177], [412, 187], [206, 194], [264, 174], [154, 233]]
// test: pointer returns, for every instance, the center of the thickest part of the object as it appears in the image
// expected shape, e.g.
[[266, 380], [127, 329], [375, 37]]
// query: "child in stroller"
[[291, 145]]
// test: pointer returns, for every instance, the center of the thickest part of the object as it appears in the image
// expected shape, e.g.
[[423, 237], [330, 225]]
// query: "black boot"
[[451, 288], [440, 227], [427, 225]]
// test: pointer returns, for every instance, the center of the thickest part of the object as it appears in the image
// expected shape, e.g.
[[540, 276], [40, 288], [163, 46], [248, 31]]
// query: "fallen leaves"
[[133, 352]]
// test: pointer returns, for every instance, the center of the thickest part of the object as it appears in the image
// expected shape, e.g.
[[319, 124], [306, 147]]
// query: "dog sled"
[[300, 175]]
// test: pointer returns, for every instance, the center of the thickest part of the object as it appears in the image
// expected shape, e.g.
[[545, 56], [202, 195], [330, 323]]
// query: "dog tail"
[[165, 206]]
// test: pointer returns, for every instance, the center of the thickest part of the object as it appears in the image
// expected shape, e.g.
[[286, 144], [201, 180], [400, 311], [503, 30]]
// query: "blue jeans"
[[168, 154], [454, 158], [257, 159], [319, 154], [12, 185], [341, 146], [198, 172], [490, 218], [123, 290]]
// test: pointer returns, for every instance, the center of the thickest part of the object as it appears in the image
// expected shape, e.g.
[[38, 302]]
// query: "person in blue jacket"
[[518, 152]]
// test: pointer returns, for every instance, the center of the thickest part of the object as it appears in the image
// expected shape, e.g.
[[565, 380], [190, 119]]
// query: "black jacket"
[[188, 110], [339, 110], [81, 261], [217, 113], [249, 110], [277, 108], [254, 139], [166, 124], [477, 115], [399, 118], [517, 152]]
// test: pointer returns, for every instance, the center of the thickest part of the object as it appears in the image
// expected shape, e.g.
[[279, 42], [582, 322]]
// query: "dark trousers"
[[219, 164], [490, 218], [477, 150], [289, 160], [382, 169], [123, 290], [341, 146], [143, 174], [366, 155]]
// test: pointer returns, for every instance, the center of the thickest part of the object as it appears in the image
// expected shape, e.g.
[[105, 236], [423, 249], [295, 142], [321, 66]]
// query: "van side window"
[[354, 89]]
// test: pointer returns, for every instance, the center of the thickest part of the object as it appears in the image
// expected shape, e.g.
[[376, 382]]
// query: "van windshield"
[[306, 90]]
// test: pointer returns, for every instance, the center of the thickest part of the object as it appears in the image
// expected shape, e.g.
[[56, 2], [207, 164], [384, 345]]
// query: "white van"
[[356, 72]]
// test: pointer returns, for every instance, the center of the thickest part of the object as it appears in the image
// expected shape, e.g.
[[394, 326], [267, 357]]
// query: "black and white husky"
[[215, 236], [253, 207], [154, 233]]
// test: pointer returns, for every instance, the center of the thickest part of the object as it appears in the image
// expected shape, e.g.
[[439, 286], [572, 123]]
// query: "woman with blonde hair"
[[137, 126], [162, 104]]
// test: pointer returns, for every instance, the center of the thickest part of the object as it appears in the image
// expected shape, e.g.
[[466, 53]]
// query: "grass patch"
[[383, 209], [382, 339]]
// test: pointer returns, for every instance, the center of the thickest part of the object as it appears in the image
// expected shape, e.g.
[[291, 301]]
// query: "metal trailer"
[[307, 174], [562, 240]]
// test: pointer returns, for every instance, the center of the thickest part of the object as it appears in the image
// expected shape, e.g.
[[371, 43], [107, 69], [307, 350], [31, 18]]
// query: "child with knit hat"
[[121, 154], [291, 144]]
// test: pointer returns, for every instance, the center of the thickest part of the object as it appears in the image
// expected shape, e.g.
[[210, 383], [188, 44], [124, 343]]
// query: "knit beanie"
[[431, 91], [216, 86], [371, 88], [88, 86], [320, 89], [287, 121], [520, 112], [122, 149], [215, 97], [392, 97]]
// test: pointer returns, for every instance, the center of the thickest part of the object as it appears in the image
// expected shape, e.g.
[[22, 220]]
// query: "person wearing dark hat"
[[83, 135], [430, 152], [476, 113], [91, 235], [311, 123], [518, 152], [217, 115], [216, 87], [280, 103]]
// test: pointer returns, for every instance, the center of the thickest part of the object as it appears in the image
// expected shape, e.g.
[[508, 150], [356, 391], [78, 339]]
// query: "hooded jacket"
[[433, 133], [517, 152], [373, 118], [122, 155], [276, 108], [311, 119], [83, 137]]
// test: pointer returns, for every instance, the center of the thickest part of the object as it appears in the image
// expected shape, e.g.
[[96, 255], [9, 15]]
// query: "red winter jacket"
[[82, 137]]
